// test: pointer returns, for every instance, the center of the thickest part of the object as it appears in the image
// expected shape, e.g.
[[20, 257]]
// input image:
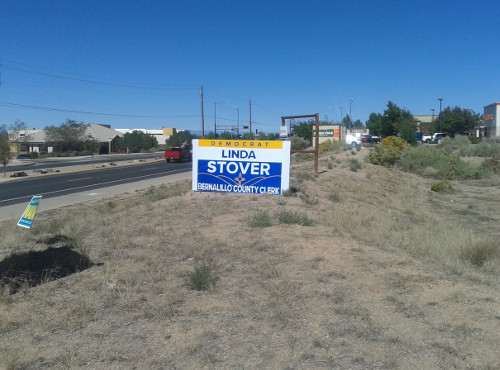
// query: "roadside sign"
[[28, 216], [283, 132], [241, 166]]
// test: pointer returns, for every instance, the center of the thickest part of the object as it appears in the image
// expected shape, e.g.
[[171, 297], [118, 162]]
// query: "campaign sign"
[[28, 216], [241, 166]]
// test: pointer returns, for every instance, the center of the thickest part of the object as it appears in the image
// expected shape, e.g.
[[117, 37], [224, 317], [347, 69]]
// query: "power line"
[[15, 105], [117, 84]]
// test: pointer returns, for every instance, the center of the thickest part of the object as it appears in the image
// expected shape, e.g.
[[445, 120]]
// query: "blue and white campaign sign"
[[28, 216], [241, 166]]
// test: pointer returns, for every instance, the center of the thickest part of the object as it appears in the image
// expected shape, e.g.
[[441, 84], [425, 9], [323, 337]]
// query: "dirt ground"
[[350, 290]]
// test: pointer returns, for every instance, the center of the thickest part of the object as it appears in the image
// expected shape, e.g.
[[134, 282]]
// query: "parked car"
[[426, 138], [367, 139], [438, 136], [353, 139]]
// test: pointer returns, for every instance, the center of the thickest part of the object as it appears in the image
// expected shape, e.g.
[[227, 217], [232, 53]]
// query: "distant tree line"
[[394, 121]]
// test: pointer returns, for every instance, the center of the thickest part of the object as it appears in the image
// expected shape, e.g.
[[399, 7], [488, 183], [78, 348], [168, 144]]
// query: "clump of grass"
[[481, 252], [335, 197], [163, 192], [491, 164], [289, 218], [304, 176], [354, 164], [442, 187], [311, 200], [54, 227], [304, 157], [202, 278], [260, 219]]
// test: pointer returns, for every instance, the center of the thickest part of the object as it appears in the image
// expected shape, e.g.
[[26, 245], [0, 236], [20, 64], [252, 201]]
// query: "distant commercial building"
[[491, 124], [425, 122], [36, 141]]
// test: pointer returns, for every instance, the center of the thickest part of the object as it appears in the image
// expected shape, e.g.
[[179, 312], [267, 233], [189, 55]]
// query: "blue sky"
[[136, 64]]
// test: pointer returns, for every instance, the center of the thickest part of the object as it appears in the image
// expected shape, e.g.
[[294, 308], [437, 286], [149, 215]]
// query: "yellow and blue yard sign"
[[29, 214], [241, 166]]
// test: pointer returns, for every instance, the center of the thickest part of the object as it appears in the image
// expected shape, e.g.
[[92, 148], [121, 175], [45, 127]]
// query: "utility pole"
[[440, 101], [238, 124], [202, 115], [251, 116]]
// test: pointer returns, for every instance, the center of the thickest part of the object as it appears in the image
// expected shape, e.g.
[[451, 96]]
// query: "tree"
[[407, 127], [304, 130], [17, 134], [457, 121], [136, 141], [92, 145], [182, 138], [67, 136], [374, 124], [346, 121], [4, 148], [396, 120]]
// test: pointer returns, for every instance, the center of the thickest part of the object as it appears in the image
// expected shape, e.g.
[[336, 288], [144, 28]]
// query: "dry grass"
[[388, 275]]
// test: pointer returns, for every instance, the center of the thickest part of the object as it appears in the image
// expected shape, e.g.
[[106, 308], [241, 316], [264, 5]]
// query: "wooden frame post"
[[316, 137]]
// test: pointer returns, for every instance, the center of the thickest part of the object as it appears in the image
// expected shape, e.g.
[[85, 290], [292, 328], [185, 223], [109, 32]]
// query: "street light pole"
[[215, 115], [440, 101], [238, 124], [350, 112]]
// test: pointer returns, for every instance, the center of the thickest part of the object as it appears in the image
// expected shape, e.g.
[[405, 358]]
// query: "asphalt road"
[[59, 190], [55, 162]]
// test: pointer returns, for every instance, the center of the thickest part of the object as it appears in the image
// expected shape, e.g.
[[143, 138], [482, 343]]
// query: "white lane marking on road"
[[80, 179], [87, 186]]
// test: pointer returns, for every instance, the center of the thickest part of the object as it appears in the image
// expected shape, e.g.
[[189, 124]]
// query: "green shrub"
[[202, 278], [260, 219], [442, 187], [354, 164], [455, 168], [297, 143], [448, 166], [485, 149], [287, 217], [325, 146], [384, 156], [474, 140]]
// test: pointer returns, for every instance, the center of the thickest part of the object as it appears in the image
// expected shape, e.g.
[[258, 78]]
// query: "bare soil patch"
[[376, 281]]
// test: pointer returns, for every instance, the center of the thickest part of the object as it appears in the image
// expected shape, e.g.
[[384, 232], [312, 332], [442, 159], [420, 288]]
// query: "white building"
[[491, 124], [161, 135]]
